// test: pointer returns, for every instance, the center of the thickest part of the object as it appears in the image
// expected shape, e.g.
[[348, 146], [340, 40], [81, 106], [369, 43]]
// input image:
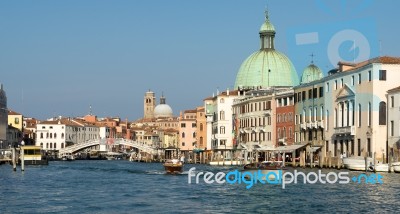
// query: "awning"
[[266, 148], [290, 148], [315, 148]]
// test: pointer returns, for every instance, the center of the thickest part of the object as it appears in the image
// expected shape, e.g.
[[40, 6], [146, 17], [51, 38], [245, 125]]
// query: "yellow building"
[[15, 119]]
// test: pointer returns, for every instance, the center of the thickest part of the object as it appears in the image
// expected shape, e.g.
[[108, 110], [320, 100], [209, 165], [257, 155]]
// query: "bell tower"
[[149, 104]]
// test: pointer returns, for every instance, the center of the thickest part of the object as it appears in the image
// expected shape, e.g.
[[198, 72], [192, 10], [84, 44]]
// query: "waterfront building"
[[14, 136], [15, 119], [187, 132], [284, 100], [201, 123], [3, 118], [309, 108], [53, 135], [393, 122], [356, 105], [29, 133], [220, 124]]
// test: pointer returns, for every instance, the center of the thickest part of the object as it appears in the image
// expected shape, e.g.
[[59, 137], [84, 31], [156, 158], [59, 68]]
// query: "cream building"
[[356, 105], [393, 125]]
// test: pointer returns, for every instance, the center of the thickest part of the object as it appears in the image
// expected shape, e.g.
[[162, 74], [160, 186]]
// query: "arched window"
[[201, 126], [55, 135], [183, 134], [382, 113], [62, 145], [194, 134]]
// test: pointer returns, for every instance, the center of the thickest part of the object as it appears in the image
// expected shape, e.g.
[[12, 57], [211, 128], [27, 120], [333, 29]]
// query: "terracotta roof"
[[394, 89], [190, 111], [382, 59], [11, 112]]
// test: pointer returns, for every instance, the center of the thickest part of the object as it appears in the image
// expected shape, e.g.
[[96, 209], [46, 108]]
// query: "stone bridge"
[[117, 141]]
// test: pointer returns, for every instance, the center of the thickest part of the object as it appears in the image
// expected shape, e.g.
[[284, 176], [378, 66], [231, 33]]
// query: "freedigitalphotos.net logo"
[[278, 177]]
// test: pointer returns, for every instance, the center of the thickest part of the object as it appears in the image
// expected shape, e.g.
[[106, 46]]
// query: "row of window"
[[252, 107], [52, 145], [312, 93], [382, 77], [184, 135], [283, 118], [253, 122], [183, 125], [262, 136]]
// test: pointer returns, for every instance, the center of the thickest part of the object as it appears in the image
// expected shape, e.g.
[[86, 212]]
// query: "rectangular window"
[[335, 84], [382, 75], [392, 101], [359, 146], [327, 87], [295, 97], [392, 128], [359, 79], [321, 91], [193, 125], [352, 80], [310, 94], [369, 76], [359, 115], [183, 125], [341, 83], [315, 91], [369, 147], [303, 95]]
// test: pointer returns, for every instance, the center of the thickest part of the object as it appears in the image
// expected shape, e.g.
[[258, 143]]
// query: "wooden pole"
[[22, 159], [13, 160], [293, 158]]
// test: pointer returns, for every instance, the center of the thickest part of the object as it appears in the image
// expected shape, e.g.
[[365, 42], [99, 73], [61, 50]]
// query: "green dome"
[[254, 70], [266, 67], [267, 26], [311, 73]]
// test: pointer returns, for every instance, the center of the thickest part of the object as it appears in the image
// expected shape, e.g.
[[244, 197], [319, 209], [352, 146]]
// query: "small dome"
[[311, 73], [267, 26], [163, 110]]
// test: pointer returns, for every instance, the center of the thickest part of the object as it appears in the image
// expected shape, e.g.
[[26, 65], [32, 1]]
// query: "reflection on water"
[[126, 187]]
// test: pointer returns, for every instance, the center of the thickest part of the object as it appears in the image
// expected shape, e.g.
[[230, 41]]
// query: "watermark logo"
[[278, 177]]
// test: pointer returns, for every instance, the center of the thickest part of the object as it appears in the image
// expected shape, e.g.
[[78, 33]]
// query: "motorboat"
[[271, 169], [396, 167], [357, 163], [379, 167], [173, 166], [113, 156], [67, 157]]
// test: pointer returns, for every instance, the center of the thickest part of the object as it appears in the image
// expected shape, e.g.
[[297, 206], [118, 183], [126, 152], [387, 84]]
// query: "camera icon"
[[348, 41]]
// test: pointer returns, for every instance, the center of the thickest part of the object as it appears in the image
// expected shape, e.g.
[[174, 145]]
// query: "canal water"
[[128, 187]]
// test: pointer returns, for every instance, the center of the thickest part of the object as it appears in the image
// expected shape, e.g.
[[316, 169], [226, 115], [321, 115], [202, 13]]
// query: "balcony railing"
[[321, 123], [349, 130]]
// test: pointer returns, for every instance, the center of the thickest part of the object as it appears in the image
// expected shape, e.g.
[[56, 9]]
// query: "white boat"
[[67, 157], [396, 167], [357, 163], [113, 156], [380, 167]]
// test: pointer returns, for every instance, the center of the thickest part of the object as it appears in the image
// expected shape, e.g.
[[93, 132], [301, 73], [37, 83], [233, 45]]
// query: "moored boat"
[[270, 169], [396, 167], [357, 163], [173, 166], [380, 167], [67, 157]]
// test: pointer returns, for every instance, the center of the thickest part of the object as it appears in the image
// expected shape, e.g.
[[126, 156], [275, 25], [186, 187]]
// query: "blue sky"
[[60, 57]]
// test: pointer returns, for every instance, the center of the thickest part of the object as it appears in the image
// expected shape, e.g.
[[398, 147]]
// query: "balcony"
[[315, 124], [303, 126], [321, 123], [309, 125], [349, 130]]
